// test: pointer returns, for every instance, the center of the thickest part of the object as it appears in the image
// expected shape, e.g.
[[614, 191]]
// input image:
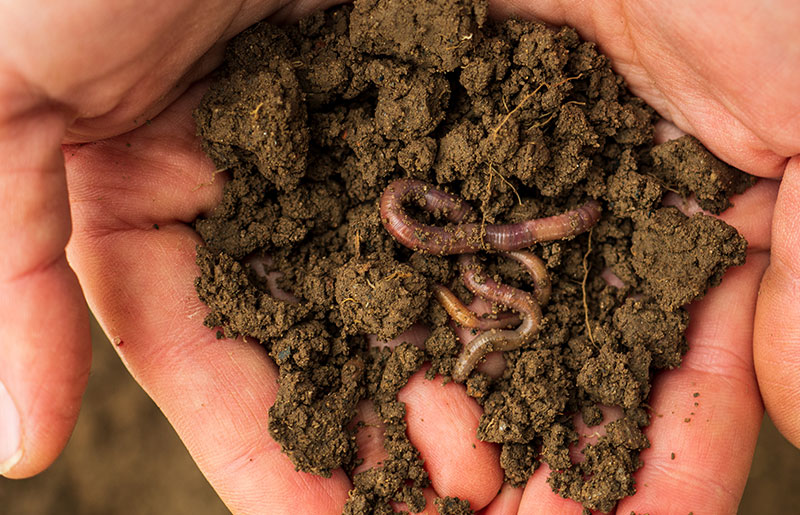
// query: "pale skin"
[[88, 70]]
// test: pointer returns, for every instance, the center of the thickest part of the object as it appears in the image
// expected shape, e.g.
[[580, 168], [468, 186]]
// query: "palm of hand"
[[138, 279]]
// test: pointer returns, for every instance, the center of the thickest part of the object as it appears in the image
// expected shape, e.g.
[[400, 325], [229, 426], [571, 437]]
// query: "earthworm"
[[465, 238], [542, 285], [465, 317], [520, 301]]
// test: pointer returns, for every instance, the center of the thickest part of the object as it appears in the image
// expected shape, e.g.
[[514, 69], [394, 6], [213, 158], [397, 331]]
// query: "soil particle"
[[380, 297], [606, 471], [310, 123], [237, 305], [615, 378], [441, 348], [632, 194], [532, 398], [311, 411], [256, 114], [244, 221], [678, 257], [452, 506], [436, 34], [642, 323], [411, 105], [520, 461], [686, 165]]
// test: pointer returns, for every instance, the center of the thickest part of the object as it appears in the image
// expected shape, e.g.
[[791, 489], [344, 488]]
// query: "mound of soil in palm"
[[313, 121]]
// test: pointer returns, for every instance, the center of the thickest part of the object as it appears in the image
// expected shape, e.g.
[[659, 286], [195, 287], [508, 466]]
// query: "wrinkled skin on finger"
[[77, 71], [98, 81]]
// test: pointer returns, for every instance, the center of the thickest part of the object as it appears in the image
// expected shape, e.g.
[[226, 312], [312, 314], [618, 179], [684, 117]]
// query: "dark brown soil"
[[99, 475], [313, 121], [452, 506]]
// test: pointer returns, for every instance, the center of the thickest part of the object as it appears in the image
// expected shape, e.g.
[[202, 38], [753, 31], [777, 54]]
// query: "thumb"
[[777, 324], [44, 346]]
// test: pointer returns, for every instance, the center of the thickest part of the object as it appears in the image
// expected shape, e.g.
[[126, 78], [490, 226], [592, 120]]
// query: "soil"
[[452, 506], [313, 121], [144, 468]]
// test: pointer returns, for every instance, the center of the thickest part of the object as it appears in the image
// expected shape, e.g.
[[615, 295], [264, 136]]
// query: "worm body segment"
[[466, 238], [495, 339], [465, 317], [542, 286]]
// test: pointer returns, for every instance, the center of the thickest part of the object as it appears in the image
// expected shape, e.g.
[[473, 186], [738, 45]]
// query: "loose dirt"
[[313, 121]]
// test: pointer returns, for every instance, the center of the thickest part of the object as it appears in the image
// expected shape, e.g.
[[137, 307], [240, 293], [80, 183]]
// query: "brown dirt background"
[[124, 459]]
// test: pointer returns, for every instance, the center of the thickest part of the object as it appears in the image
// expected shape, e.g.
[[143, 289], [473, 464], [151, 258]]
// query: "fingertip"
[[10, 432], [776, 337], [507, 501], [48, 357], [45, 343], [776, 351], [442, 424], [539, 497]]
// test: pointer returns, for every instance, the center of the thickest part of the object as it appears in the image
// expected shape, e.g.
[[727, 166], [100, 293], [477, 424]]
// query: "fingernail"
[[10, 434]]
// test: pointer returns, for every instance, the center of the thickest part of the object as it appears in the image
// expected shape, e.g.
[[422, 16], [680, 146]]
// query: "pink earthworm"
[[520, 301], [465, 317], [467, 238], [542, 286]]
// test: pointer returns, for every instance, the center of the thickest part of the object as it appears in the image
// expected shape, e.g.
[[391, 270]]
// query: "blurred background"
[[125, 459]]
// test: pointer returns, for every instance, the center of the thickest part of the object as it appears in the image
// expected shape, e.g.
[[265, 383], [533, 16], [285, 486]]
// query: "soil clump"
[[522, 121]]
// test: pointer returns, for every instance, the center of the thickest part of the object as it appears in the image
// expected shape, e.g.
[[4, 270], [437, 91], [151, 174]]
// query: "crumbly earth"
[[311, 122], [452, 506]]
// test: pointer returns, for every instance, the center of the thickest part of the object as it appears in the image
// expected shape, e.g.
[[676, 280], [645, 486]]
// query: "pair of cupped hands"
[[78, 221]]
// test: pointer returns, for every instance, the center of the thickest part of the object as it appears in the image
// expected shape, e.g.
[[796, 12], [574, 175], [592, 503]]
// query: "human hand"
[[77, 71], [129, 270], [722, 72], [130, 200]]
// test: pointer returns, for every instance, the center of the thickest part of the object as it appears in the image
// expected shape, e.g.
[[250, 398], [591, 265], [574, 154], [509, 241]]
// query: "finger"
[[707, 413], [506, 502], [751, 213], [139, 279], [442, 424], [712, 436], [538, 496], [777, 329], [155, 174], [369, 440], [369, 437], [45, 347]]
